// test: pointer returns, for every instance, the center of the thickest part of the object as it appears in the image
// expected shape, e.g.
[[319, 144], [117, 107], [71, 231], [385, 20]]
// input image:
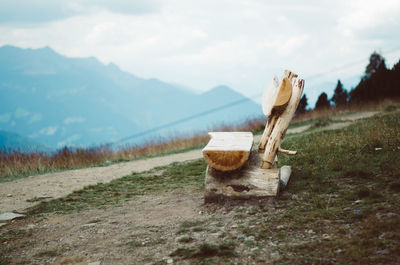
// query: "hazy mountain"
[[11, 142], [59, 101]]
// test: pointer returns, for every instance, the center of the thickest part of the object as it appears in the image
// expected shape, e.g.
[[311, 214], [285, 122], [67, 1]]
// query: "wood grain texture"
[[284, 93], [269, 96], [250, 181], [282, 123], [276, 110], [228, 151]]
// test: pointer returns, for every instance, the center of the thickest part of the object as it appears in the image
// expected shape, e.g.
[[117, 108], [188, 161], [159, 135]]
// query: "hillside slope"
[[80, 101]]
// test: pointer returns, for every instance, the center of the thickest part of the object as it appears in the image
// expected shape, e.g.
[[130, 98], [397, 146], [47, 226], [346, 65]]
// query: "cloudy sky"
[[202, 44]]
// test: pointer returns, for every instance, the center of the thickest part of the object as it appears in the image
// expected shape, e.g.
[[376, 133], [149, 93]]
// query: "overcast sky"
[[202, 44]]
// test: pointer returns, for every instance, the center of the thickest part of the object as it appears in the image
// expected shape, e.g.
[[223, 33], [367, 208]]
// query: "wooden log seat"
[[227, 151]]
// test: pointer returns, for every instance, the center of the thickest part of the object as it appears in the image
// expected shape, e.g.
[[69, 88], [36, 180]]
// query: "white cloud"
[[51, 130], [69, 141], [35, 118], [206, 43], [21, 113], [70, 120], [39, 11], [5, 117]]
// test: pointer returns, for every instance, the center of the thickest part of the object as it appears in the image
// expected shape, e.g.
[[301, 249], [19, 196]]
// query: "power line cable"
[[198, 115], [194, 116]]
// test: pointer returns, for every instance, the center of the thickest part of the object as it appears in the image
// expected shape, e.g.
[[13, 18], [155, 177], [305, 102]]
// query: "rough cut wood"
[[282, 123], [284, 175], [228, 151], [285, 91], [269, 96], [250, 181]]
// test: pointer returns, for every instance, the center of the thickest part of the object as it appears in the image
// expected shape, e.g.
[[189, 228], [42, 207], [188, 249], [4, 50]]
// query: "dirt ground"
[[142, 231], [14, 195]]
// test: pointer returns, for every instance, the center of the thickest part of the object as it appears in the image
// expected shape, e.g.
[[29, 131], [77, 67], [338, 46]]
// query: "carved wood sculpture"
[[233, 170]]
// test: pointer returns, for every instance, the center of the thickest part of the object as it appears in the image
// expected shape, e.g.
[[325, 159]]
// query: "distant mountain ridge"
[[58, 101]]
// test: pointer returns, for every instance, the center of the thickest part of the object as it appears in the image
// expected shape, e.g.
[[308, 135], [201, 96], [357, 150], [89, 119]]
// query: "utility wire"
[[198, 115]]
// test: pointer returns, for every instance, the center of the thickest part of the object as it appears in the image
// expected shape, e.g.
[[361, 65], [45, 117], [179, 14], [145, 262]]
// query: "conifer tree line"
[[377, 83]]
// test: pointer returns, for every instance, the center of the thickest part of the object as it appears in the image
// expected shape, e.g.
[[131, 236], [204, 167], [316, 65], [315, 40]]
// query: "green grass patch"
[[174, 177], [346, 189]]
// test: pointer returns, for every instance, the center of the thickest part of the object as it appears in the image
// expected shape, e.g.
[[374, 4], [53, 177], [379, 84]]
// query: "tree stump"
[[248, 182]]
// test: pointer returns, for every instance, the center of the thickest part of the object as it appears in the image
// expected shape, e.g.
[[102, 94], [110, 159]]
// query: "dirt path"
[[14, 195]]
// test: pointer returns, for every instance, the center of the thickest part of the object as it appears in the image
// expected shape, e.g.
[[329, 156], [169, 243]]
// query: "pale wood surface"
[[284, 175], [282, 123], [285, 91], [269, 96], [228, 151], [250, 181]]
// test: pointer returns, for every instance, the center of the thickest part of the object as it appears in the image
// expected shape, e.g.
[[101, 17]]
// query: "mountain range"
[[55, 101]]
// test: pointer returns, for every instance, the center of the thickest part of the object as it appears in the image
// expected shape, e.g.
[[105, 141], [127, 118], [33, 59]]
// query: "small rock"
[[240, 237], [94, 263], [357, 201], [275, 255], [234, 226], [89, 225], [326, 236], [31, 226], [280, 227], [339, 251], [43, 197], [254, 249], [10, 216], [9, 195], [381, 236], [382, 252], [170, 261], [201, 212], [180, 238], [250, 238]]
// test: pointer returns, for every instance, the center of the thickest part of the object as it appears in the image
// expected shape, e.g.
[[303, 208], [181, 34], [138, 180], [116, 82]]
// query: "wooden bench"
[[234, 170]]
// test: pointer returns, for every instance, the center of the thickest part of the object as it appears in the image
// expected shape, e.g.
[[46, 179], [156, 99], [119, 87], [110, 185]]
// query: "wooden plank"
[[248, 182], [282, 123], [228, 151], [269, 96], [284, 94]]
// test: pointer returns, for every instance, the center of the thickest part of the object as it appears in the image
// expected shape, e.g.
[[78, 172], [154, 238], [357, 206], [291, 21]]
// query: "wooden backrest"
[[279, 105]]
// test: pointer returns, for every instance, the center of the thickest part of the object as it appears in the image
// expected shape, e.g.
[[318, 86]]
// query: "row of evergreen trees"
[[378, 83]]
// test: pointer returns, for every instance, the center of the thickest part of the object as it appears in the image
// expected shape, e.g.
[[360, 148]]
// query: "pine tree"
[[340, 95], [322, 102], [375, 61], [301, 108]]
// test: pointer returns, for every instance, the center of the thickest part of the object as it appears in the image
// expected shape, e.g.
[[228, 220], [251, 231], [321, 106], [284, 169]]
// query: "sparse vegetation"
[[173, 177], [17, 164], [341, 205]]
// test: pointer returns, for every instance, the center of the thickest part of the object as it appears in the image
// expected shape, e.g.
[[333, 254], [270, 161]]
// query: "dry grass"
[[376, 106], [18, 164]]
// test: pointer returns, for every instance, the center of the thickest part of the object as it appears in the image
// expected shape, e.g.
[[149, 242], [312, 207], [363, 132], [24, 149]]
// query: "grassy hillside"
[[341, 206]]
